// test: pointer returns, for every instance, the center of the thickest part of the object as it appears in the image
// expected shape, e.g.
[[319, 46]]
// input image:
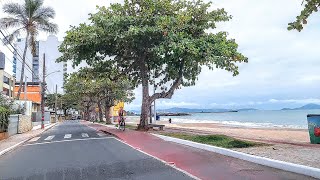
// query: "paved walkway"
[[200, 163], [15, 139]]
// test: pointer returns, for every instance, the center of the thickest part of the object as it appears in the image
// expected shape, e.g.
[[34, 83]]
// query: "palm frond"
[[31, 6], [44, 13], [10, 22], [15, 9], [46, 26]]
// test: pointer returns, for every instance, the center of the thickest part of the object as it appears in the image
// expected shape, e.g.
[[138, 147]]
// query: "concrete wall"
[[25, 124]]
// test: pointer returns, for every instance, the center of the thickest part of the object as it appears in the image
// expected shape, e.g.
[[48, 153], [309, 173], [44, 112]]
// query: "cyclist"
[[120, 114]]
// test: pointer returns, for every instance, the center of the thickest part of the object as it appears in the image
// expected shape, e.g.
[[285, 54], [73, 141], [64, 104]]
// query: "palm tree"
[[28, 18]]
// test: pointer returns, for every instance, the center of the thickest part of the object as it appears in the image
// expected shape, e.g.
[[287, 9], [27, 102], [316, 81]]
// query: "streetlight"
[[44, 91], [52, 73]]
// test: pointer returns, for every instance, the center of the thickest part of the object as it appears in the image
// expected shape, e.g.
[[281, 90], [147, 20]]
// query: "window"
[[6, 80]]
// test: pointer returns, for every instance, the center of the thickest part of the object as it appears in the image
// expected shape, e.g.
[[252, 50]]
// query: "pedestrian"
[[170, 120]]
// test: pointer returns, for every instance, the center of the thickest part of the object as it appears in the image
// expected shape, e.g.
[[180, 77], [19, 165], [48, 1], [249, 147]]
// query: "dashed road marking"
[[84, 135], [34, 139], [49, 138], [67, 136]]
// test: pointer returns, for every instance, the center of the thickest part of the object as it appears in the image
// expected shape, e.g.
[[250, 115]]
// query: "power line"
[[21, 51], [30, 69]]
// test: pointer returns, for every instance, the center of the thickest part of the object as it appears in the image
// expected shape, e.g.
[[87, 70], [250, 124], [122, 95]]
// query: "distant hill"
[[307, 106], [247, 109], [191, 110]]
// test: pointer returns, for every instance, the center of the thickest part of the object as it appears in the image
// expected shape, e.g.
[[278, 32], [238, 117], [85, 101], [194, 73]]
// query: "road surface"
[[74, 151]]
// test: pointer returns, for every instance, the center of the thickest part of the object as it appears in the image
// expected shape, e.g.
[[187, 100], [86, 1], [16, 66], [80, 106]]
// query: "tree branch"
[[170, 92]]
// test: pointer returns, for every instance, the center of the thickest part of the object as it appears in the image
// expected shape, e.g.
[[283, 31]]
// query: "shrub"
[[4, 119]]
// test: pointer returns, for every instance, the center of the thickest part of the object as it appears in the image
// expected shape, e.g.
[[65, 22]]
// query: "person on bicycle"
[[120, 115]]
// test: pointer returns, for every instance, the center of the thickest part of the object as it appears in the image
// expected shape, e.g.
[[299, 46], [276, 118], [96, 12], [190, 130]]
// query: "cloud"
[[283, 65]]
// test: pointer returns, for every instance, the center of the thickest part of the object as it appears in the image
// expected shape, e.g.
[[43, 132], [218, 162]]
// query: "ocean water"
[[296, 119]]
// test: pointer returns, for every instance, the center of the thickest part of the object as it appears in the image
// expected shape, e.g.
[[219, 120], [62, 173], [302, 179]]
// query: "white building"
[[50, 49]]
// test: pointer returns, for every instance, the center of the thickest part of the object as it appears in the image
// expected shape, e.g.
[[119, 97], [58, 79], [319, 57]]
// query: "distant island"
[[189, 110], [305, 107]]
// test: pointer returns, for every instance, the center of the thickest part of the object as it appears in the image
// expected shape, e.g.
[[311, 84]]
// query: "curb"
[[286, 166], [20, 143]]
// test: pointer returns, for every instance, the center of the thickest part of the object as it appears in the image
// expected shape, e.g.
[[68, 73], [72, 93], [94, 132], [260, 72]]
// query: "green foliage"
[[310, 6], [215, 140], [5, 102], [4, 119], [87, 86], [168, 38], [165, 43]]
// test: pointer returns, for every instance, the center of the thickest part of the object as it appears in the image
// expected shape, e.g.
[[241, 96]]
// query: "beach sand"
[[274, 135], [290, 145]]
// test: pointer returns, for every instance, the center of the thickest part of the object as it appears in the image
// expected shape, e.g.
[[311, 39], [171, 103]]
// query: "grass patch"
[[215, 140], [132, 127]]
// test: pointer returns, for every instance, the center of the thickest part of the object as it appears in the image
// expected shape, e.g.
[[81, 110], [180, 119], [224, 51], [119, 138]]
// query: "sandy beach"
[[273, 135]]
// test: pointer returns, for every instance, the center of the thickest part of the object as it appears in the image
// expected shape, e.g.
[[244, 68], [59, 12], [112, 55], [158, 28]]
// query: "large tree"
[[164, 43], [29, 18], [310, 6]]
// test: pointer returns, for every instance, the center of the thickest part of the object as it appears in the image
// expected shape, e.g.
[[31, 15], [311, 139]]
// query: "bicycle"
[[122, 124]]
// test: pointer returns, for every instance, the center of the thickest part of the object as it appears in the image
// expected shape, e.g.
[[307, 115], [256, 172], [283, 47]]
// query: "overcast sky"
[[283, 68]]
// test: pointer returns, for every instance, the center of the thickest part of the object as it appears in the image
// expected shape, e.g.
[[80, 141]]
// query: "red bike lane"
[[200, 163]]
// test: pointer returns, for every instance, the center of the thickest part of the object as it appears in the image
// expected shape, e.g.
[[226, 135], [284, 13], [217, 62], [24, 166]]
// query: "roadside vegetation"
[[215, 140]]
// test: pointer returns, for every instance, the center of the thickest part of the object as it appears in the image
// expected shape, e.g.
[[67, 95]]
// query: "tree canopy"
[[163, 43], [88, 88], [310, 6]]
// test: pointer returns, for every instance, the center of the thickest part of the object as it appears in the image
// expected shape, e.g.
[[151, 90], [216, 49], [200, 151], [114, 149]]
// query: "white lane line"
[[34, 139], [69, 140], [100, 134], [49, 138], [84, 135], [67, 136]]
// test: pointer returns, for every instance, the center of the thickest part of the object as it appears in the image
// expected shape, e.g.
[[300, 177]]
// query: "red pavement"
[[200, 163]]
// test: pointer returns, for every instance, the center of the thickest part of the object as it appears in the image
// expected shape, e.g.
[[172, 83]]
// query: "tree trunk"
[[23, 66], [145, 108], [107, 113], [100, 112], [86, 113]]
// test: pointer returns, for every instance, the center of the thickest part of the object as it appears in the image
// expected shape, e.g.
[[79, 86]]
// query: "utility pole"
[[43, 90], [25, 88], [25, 95], [55, 102]]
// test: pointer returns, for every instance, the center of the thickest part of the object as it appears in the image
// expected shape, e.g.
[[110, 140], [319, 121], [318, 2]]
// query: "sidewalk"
[[14, 140], [200, 163]]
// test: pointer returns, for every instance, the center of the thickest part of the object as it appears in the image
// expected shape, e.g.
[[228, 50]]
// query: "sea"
[[295, 119]]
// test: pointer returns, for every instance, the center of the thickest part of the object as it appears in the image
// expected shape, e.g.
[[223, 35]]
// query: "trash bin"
[[314, 128]]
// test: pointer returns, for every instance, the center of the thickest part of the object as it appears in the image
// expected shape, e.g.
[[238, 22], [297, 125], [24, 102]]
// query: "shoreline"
[[135, 119]]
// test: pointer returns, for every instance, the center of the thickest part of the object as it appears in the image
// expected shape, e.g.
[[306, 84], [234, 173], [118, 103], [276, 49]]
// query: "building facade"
[[7, 81], [54, 70]]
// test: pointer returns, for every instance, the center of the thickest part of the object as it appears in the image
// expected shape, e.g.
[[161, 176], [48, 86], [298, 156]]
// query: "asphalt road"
[[74, 151]]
